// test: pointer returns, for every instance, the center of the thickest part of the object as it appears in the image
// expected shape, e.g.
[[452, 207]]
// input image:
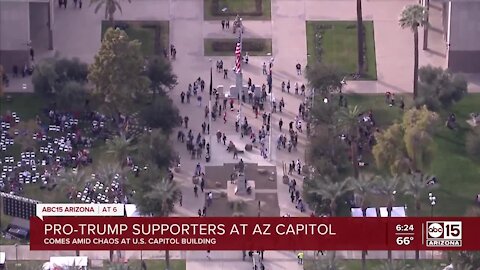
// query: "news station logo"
[[444, 233]]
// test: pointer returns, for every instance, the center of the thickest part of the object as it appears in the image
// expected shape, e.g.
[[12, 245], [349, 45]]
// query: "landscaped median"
[[226, 47], [335, 43], [152, 34], [247, 9]]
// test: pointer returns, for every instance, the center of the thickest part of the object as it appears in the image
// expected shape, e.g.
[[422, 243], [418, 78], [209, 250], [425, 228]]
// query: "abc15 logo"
[[446, 230]]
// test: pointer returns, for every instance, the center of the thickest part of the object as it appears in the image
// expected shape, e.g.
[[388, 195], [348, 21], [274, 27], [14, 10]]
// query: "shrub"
[[439, 88], [51, 75], [71, 97], [472, 143]]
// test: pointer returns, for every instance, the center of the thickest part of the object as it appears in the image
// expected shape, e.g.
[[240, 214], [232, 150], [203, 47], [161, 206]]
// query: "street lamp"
[[16, 256], [210, 103]]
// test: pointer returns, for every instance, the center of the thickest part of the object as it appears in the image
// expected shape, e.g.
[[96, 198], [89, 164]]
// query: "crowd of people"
[[58, 141]]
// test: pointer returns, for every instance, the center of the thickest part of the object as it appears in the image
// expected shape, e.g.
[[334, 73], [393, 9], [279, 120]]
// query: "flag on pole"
[[238, 58]]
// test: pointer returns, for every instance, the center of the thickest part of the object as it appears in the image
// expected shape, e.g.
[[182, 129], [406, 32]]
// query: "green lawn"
[[151, 264], [144, 31], [457, 173], [337, 41], [226, 47], [245, 8], [26, 105], [24, 265]]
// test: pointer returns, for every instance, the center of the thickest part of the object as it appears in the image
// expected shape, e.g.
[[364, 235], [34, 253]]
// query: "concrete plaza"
[[77, 34]]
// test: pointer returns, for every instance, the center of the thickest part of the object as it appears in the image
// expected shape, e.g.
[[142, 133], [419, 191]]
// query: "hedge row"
[[217, 10]]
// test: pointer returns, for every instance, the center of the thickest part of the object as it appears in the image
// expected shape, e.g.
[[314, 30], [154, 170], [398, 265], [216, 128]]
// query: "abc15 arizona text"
[[444, 233]]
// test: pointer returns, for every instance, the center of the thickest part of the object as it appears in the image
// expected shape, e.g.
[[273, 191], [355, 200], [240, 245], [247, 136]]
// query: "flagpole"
[[210, 105], [239, 75]]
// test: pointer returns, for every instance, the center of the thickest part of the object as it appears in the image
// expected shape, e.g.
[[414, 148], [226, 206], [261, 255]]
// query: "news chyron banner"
[[106, 227]]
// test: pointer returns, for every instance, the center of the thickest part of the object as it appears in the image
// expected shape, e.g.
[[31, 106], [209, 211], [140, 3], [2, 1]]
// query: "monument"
[[239, 188]]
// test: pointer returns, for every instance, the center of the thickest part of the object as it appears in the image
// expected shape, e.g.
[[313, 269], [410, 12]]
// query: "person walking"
[[299, 69], [32, 54], [300, 257], [208, 255], [195, 191], [185, 120], [223, 24], [280, 124]]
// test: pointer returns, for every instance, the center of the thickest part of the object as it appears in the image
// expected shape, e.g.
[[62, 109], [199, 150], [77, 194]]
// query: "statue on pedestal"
[[237, 24]]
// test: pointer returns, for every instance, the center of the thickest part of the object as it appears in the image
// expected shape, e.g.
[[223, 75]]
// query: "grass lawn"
[[26, 105], [234, 7], [226, 47], [144, 31], [457, 173], [24, 265], [339, 45], [151, 264]]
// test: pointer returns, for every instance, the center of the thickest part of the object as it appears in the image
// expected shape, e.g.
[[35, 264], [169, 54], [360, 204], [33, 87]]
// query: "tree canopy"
[[155, 195], [412, 17], [324, 79], [160, 73], [407, 146], [148, 149], [51, 75], [118, 71], [111, 6], [161, 113], [439, 88]]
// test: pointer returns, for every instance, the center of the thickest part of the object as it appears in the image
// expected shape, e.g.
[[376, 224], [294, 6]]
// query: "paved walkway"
[[77, 34]]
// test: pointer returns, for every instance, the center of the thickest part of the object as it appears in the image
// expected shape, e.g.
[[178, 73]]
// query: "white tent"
[[131, 210], [66, 262], [357, 212], [371, 212], [396, 212]]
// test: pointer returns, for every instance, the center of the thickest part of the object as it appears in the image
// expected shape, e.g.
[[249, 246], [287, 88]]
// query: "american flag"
[[238, 58]]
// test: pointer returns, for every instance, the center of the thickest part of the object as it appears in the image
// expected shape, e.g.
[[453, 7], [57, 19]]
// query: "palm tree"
[[388, 187], [120, 147], [111, 7], [329, 191], [412, 17], [107, 172], [349, 124], [71, 178], [157, 197], [415, 186], [360, 38], [362, 186]]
